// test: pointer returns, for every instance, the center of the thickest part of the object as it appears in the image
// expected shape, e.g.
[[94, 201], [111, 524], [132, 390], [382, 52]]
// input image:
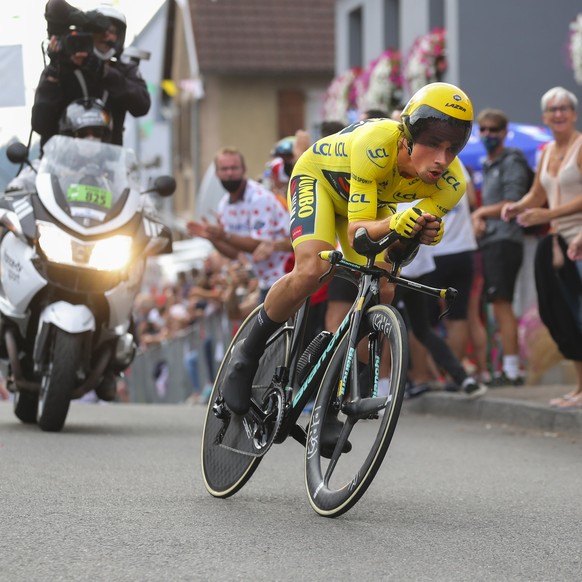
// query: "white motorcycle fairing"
[[20, 280], [71, 263], [74, 319], [68, 317]]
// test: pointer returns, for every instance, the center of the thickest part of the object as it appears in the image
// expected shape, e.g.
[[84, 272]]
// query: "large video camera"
[[76, 42], [73, 27]]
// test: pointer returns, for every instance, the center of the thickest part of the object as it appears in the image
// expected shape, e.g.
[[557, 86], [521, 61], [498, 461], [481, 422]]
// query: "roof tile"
[[264, 36]]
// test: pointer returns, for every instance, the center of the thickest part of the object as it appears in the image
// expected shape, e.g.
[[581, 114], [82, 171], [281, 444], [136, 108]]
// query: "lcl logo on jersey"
[[377, 153], [451, 180], [359, 199], [325, 149], [378, 156]]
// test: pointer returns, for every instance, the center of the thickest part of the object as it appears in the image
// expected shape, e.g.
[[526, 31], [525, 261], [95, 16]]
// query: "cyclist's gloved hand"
[[440, 232], [403, 222], [432, 231]]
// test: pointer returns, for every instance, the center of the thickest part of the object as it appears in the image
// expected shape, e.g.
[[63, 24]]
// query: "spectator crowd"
[[481, 254]]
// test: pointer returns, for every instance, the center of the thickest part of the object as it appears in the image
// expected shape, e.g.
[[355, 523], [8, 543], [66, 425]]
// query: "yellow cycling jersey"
[[357, 167]]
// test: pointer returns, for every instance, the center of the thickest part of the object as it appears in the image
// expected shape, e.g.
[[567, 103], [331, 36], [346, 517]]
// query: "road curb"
[[527, 415]]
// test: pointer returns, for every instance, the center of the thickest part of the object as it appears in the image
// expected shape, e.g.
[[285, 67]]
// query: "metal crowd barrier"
[[161, 373]]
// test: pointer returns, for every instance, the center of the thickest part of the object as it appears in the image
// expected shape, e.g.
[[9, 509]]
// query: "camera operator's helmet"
[[86, 118], [442, 109], [117, 19], [284, 147]]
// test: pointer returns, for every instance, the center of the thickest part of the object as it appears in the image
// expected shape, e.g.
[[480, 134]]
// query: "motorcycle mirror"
[[164, 186], [17, 153]]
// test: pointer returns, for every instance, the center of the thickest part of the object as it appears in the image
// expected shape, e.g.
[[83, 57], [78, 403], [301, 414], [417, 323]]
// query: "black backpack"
[[519, 156]]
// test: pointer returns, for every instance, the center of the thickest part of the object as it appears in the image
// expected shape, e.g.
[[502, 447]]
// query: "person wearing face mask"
[[248, 214], [506, 178], [85, 61]]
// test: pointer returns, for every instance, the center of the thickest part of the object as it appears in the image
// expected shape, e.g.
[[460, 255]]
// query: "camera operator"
[[85, 62]]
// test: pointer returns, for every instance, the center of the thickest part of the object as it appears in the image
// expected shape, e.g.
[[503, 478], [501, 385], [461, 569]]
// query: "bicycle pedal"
[[220, 409]]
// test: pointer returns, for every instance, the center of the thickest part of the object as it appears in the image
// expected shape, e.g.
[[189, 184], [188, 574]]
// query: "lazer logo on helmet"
[[456, 106]]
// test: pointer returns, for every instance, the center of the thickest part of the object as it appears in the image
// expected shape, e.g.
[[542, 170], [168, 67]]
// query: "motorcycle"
[[72, 257]]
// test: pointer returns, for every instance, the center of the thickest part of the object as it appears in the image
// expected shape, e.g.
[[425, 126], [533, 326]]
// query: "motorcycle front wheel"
[[58, 380]]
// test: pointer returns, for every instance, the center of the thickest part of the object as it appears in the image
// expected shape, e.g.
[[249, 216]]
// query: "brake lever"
[[334, 257], [449, 296]]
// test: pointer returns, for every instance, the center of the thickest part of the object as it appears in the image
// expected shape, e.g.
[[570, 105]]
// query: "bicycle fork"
[[358, 405]]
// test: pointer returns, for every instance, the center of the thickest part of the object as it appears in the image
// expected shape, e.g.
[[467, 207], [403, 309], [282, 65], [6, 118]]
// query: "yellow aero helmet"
[[439, 110]]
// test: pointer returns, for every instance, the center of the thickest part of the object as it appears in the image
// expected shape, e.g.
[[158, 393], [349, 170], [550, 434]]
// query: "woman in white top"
[[558, 182]]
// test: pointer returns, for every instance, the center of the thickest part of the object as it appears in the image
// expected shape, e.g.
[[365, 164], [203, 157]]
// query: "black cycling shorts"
[[455, 270], [501, 263]]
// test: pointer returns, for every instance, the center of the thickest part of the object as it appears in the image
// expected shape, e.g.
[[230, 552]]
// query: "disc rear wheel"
[[233, 445]]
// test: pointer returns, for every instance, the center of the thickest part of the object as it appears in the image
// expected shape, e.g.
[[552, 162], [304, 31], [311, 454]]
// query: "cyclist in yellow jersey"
[[352, 179], [354, 176]]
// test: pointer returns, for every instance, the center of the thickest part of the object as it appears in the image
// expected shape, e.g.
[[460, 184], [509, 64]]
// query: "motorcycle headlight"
[[108, 254]]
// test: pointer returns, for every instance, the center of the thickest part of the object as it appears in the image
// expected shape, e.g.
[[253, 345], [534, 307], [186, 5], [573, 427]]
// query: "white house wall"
[[156, 145]]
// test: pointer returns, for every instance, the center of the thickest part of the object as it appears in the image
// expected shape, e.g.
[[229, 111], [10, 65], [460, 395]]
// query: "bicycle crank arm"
[[364, 407]]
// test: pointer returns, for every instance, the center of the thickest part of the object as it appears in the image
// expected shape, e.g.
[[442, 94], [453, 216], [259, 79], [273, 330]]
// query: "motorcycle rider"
[[84, 118], [99, 73]]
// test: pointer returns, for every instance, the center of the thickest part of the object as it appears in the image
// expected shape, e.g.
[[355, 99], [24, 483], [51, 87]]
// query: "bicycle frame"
[[368, 294], [290, 373]]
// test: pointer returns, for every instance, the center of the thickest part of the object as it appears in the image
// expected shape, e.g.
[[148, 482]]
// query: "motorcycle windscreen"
[[90, 180]]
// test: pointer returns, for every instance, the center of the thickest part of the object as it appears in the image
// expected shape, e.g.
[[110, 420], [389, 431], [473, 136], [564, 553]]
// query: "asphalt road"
[[118, 496]]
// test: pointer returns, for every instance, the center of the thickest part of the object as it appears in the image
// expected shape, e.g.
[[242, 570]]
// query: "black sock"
[[261, 330]]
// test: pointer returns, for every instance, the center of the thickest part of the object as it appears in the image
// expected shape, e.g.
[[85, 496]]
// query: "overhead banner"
[[11, 76]]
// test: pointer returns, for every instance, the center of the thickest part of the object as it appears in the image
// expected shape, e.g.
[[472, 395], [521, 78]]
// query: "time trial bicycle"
[[289, 375]]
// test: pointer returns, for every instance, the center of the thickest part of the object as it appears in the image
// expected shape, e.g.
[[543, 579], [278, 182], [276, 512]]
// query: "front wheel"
[[232, 445], [58, 380], [335, 485]]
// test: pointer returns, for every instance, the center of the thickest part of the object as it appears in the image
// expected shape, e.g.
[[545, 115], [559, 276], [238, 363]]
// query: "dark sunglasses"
[[485, 128]]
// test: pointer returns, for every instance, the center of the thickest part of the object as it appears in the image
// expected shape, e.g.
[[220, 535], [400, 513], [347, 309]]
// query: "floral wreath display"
[[339, 98], [426, 60], [575, 48], [380, 84]]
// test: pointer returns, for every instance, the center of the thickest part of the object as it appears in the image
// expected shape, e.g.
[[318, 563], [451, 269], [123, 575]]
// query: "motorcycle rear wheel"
[[58, 381]]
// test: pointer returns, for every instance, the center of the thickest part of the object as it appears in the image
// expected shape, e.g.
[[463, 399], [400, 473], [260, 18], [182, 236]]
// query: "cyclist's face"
[[431, 159]]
